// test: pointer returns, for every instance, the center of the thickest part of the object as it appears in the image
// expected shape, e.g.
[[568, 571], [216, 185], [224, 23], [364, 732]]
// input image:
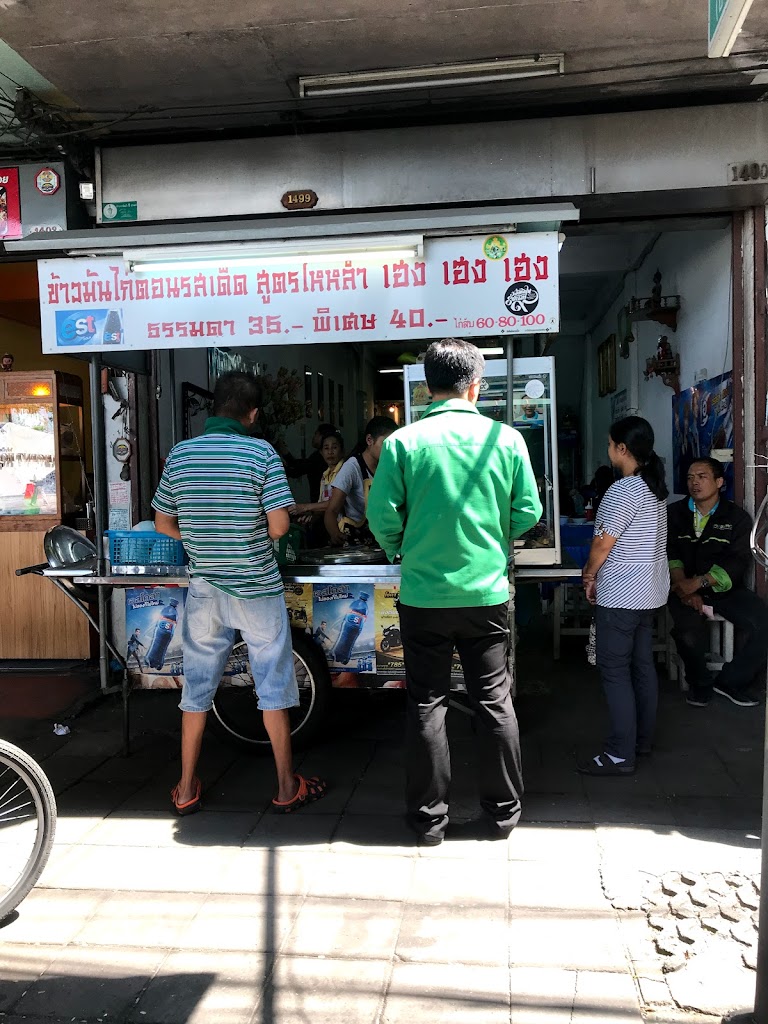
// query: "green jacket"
[[450, 493]]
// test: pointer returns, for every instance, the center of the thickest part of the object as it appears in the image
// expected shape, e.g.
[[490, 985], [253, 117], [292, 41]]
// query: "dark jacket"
[[724, 541]]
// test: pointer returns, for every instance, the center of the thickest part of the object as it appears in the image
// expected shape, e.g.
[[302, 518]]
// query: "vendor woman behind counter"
[[346, 515]]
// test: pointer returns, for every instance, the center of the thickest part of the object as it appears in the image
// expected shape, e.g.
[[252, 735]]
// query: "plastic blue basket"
[[139, 547]]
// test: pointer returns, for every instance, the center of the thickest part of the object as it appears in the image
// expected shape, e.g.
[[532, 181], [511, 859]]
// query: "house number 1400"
[[739, 174]]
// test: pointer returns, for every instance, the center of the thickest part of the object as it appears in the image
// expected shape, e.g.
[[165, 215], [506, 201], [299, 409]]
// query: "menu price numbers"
[[410, 318], [747, 172], [265, 325]]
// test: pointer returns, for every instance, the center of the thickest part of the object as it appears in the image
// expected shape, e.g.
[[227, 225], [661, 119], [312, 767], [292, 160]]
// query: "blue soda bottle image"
[[163, 635], [113, 329], [351, 628]]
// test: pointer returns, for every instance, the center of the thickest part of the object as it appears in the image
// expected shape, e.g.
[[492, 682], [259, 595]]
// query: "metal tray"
[[343, 556]]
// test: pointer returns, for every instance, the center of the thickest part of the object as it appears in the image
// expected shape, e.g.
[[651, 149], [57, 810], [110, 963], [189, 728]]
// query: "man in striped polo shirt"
[[225, 495]]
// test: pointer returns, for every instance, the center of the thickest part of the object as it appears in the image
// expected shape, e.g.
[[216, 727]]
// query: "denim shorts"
[[209, 626]]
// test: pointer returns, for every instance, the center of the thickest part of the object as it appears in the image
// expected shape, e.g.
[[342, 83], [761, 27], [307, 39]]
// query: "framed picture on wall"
[[320, 396], [606, 366]]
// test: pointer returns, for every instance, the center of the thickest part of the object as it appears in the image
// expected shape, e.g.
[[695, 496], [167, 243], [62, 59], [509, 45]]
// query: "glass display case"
[[534, 414], [42, 460]]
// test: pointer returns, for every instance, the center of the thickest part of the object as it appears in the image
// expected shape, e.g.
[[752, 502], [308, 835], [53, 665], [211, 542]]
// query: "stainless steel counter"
[[311, 574]]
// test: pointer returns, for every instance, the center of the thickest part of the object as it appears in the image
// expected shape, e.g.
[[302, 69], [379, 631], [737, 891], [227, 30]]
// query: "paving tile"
[[716, 812], [611, 998], [252, 924], [20, 969], [568, 887], [204, 988], [137, 868], [91, 981], [150, 920], [441, 935], [325, 991], [450, 993], [293, 831], [94, 797], [51, 916], [630, 808], [265, 871], [452, 882], [73, 828], [158, 829], [345, 929], [375, 833], [557, 807], [360, 876], [377, 797], [542, 995], [567, 939], [564, 843], [471, 851]]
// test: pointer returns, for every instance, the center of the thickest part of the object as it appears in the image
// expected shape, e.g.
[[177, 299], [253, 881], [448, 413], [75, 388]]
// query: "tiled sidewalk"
[[236, 915]]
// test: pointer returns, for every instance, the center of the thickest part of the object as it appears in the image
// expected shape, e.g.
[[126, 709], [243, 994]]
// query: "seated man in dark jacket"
[[709, 558]]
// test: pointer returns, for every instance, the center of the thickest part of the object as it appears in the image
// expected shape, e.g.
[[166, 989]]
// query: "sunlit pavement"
[[236, 915]]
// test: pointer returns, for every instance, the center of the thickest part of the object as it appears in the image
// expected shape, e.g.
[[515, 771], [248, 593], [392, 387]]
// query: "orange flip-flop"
[[190, 806], [309, 791]]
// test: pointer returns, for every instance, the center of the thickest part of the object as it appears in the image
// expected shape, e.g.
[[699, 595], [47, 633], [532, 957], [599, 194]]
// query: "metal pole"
[[98, 437], [172, 390]]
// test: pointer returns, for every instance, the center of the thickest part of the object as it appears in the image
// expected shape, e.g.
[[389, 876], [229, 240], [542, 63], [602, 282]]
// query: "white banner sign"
[[463, 287]]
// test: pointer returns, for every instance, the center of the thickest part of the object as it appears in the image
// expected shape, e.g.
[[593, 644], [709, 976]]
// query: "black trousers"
[[624, 646], [748, 614], [481, 637]]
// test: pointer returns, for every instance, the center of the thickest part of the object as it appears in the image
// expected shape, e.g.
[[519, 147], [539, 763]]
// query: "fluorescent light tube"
[[504, 69], [169, 258]]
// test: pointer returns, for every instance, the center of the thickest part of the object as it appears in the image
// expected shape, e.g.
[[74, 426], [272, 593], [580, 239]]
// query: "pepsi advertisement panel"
[[343, 625]]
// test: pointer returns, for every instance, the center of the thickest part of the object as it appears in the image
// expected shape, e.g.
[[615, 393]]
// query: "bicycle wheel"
[[236, 714], [27, 825]]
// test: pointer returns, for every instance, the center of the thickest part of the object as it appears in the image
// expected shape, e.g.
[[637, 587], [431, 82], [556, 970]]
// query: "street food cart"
[[342, 604]]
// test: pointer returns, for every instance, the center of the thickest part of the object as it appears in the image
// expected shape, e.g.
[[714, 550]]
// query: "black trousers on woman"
[[624, 644], [481, 637]]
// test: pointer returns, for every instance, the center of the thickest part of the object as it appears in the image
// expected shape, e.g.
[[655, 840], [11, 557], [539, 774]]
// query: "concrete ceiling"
[[195, 66]]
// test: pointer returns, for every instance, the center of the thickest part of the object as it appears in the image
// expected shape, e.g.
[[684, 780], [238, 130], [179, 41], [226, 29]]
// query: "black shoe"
[[423, 838], [736, 696], [698, 696], [602, 764], [643, 751]]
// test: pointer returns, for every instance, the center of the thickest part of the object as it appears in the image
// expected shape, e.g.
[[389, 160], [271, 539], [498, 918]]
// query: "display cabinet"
[[42, 457], [534, 414]]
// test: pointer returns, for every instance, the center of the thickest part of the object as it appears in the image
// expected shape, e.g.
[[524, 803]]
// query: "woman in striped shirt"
[[627, 578]]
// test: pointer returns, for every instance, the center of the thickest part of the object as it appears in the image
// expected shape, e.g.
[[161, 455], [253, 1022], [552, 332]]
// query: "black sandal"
[[309, 791]]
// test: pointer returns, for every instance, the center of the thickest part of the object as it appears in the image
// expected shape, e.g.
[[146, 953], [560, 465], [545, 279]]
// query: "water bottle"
[[113, 329], [163, 635], [351, 628]]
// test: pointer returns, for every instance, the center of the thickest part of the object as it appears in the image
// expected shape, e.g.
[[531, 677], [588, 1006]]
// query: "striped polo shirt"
[[635, 574], [221, 486]]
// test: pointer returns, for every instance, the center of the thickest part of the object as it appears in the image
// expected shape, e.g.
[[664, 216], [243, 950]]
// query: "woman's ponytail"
[[637, 434]]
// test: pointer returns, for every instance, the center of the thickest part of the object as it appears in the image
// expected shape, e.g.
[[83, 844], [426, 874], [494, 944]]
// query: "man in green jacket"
[[450, 494]]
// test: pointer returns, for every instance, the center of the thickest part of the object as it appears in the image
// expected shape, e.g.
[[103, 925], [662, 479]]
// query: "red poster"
[[10, 205]]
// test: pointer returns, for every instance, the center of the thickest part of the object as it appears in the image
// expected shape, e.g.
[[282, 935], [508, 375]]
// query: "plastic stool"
[[721, 641]]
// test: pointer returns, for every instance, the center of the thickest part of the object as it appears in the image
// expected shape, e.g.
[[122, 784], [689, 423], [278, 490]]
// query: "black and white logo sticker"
[[521, 297]]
